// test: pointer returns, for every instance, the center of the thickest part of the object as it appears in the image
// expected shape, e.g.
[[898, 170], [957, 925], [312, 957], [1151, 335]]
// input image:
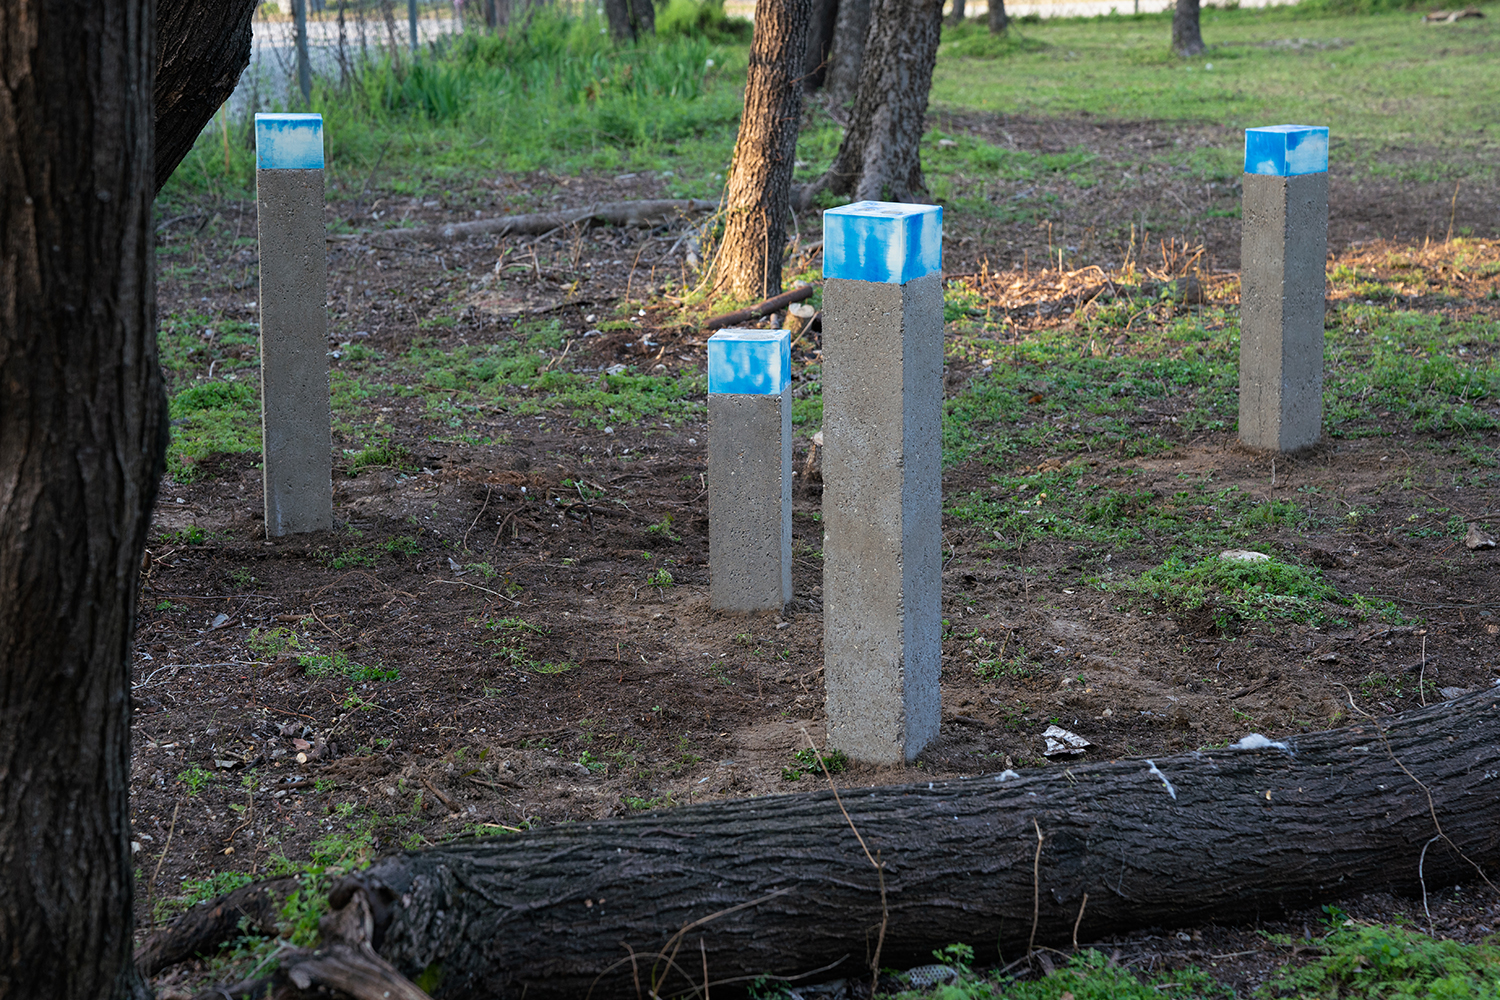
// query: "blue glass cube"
[[751, 362], [288, 142], [883, 241], [1286, 150]]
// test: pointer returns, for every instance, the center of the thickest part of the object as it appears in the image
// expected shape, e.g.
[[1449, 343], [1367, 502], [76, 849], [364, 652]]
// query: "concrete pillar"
[[297, 440], [1283, 250], [749, 470], [882, 478]]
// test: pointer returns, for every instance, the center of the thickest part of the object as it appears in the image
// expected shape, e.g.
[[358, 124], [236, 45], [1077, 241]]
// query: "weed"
[[272, 642], [1389, 962], [195, 779], [322, 665], [806, 762], [190, 535], [640, 804], [393, 456], [660, 577], [1238, 591]]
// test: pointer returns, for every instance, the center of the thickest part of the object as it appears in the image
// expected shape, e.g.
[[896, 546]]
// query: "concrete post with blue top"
[[750, 470], [882, 478], [1283, 249], [297, 440]]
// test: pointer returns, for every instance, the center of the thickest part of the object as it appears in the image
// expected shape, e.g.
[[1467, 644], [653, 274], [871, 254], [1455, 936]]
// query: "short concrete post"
[[749, 470], [1283, 248], [297, 440], [882, 478]]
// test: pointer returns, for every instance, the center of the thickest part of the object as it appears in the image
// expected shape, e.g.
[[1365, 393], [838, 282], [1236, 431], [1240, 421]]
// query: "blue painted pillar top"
[[884, 241], [288, 142], [750, 362], [1286, 150]]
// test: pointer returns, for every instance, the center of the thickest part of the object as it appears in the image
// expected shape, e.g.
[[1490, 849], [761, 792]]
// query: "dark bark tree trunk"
[[999, 22], [1187, 37], [819, 43], [630, 20], [956, 15], [781, 885], [880, 157], [202, 48], [847, 52], [82, 419], [758, 193]]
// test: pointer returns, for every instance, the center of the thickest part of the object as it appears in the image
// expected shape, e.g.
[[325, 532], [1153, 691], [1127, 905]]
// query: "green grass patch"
[[511, 639], [1238, 591], [325, 664], [1390, 962]]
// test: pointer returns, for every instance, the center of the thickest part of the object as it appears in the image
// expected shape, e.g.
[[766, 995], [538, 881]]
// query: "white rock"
[[1060, 742], [1243, 556]]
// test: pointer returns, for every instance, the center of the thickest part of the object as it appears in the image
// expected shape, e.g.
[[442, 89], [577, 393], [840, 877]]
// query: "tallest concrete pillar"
[[882, 478], [1283, 247]]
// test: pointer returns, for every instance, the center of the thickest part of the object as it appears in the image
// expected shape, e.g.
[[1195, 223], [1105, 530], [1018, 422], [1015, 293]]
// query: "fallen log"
[[784, 886], [766, 308], [619, 213]]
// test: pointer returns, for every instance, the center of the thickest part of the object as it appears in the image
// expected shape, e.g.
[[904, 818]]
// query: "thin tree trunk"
[[846, 55], [758, 194], [956, 15], [304, 61], [630, 20], [880, 158], [781, 886], [202, 48], [82, 419], [999, 22], [1187, 36], [819, 43]]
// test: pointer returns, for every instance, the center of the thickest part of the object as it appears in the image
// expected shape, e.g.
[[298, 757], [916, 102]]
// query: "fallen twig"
[[619, 213]]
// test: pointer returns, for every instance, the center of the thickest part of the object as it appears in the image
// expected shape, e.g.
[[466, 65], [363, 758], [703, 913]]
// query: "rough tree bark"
[[819, 43], [781, 885], [847, 52], [758, 193], [999, 22], [879, 159], [81, 449], [1187, 37], [630, 20], [202, 48]]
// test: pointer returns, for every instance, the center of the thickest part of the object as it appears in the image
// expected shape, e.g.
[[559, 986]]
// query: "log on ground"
[[618, 213], [781, 885]]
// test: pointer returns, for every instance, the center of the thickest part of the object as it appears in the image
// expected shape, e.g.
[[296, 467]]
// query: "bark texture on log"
[[879, 159], [1187, 35], [758, 194], [781, 886], [202, 48], [82, 425], [618, 213], [201, 929]]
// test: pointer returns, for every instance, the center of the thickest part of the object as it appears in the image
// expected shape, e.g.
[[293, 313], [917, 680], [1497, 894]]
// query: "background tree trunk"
[[819, 43], [1187, 37], [780, 885], [82, 419], [630, 20], [956, 15], [758, 194], [847, 51], [202, 48], [880, 157], [999, 22]]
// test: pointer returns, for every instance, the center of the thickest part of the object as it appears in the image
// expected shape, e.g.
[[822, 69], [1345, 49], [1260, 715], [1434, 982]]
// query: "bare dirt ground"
[[497, 650]]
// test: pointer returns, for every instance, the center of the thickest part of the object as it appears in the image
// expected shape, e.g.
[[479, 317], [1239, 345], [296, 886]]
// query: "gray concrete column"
[[749, 470], [297, 438], [1283, 252], [882, 478]]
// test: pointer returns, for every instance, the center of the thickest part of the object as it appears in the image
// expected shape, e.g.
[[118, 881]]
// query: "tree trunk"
[[1187, 37], [999, 22], [880, 157], [847, 52], [202, 48], [630, 20], [956, 15], [819, 43], [781, 886], [82, 419], [758, 194]]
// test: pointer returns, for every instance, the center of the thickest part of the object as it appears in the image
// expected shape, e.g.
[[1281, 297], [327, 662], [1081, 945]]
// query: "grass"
[[1377, 79]]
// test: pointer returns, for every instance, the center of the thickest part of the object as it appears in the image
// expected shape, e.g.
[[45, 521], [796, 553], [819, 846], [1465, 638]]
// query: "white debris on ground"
[[1060, 742], [1255, 741]]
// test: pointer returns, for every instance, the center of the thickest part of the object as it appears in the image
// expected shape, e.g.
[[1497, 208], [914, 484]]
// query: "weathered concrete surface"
[[1283, 251], [298, 440], [750, 501], [882, 515]]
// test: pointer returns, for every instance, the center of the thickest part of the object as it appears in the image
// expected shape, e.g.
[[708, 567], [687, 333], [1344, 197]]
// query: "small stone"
[[1450, 693], [1478, 538], [1243, 556], [817, 439]]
